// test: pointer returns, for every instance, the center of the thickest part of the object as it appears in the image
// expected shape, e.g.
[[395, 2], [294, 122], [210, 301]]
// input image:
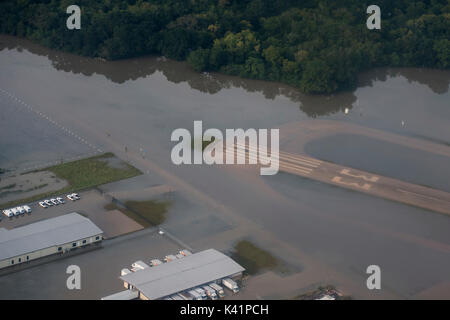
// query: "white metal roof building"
[[46, 237], [181, 274]]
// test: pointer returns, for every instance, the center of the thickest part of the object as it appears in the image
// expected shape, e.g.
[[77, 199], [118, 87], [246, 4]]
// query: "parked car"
[[48, 203], [60, 200], [15, 212], [27, 209], [73, 196], [54, 201], [43, 204]]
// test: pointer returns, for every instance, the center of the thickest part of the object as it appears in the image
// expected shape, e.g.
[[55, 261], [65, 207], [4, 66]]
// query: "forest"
[[318, 46]]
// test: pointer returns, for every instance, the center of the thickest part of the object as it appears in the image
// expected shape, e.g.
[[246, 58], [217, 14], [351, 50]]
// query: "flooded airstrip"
[[131, 107]]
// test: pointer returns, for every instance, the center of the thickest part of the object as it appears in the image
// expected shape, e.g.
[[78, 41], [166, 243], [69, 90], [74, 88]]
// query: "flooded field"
[[131, 107]]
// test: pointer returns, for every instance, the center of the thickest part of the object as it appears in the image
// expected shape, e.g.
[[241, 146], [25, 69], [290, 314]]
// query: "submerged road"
[[350, 178]]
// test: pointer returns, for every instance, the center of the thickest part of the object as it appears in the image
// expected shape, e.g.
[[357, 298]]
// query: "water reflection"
[[438, 80], [179, 72]]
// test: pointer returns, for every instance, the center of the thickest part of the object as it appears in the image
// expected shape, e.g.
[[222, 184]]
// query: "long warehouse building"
[[46, 237], [182, 274]]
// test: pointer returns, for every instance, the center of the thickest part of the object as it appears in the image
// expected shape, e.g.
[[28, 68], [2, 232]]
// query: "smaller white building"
[[43, 238]]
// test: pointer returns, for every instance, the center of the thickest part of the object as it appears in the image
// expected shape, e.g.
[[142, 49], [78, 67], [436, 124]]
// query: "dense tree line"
[[315, 45]]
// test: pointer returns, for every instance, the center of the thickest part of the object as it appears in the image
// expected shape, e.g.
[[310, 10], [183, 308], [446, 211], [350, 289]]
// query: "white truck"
[[155, 262], [21, 210], [196, 295], [201, 292], [15, 211], [8, 213], [218, 289], [125, 271], [169, 258], [230, 284], [27, 209], [139, 265], [185, 252], [210, 292]]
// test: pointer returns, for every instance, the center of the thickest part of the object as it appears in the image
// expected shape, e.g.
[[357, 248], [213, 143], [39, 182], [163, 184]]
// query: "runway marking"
[[364, 186], [422, 195], [56, 124], [287, 157], [282, 164], [366, 178]]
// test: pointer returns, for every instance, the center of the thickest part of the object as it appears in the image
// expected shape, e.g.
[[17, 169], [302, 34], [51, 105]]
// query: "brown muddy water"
[[135, 105]]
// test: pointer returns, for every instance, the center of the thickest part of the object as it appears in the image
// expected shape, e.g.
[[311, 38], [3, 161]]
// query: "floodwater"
[[381, 157], [134, 105]]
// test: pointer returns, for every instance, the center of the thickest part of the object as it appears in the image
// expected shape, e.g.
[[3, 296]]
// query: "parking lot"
[[91, 204], [100, 269]]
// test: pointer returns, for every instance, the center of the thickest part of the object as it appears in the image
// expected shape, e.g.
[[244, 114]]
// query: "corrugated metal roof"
[[46, 233], [181, 274]]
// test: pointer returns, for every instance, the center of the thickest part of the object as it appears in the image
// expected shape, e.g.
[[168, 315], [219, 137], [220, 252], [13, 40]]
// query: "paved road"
[[377, 185]]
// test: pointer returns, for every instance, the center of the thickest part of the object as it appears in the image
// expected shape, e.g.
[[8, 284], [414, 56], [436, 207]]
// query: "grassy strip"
[[9, 186], [252, 258], [146, 213], [82, 174]]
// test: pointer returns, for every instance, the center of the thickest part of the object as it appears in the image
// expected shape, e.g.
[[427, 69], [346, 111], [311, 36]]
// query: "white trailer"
[[210, 292], [195, 294], [201, 292], [230, 284], [218, 289], [186, 296]]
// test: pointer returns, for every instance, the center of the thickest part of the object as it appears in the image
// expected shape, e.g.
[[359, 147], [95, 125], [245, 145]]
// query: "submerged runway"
[[350, 178]]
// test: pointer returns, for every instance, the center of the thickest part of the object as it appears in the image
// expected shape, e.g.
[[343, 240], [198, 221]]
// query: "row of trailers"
[[143, 274], [212, 291]]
